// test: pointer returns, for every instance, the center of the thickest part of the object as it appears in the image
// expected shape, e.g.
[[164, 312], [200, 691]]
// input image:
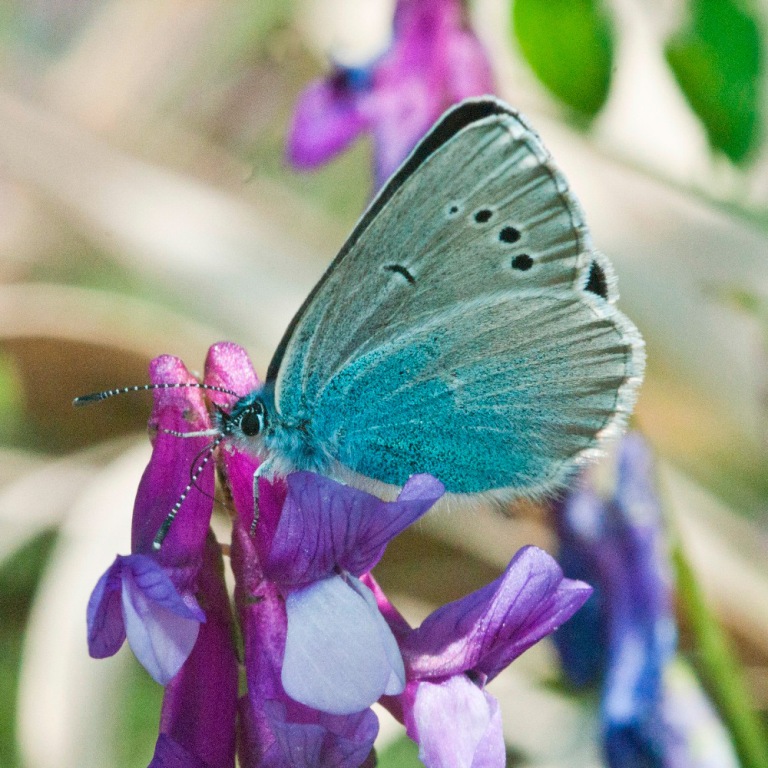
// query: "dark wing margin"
[[453, 121]]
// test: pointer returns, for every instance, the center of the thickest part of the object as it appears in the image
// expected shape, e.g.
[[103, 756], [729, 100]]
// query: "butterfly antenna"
[[212, 432], [165, 527], [193, 478], [95, 397]]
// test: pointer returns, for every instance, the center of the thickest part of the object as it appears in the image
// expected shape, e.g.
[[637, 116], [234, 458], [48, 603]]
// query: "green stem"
[[719, 669]]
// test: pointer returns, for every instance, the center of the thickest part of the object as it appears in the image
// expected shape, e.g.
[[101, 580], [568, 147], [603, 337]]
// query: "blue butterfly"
[[467, 329]]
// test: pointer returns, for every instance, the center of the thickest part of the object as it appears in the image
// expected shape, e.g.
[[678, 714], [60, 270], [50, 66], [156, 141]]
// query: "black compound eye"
[[252, 421]]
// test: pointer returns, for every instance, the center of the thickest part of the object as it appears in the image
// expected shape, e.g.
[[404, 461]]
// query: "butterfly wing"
[[467, 328]]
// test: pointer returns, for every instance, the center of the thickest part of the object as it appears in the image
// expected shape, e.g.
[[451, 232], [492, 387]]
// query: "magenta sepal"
[[181, 410]]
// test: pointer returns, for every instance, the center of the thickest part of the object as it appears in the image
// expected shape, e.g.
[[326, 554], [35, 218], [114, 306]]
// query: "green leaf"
[[569, 45], [717, 59]]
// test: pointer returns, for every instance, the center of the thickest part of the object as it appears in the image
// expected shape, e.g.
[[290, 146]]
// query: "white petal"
[[160, 639], [340, 655]]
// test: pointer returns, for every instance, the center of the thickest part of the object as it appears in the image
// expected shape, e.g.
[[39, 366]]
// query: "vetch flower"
[[274, 730], [433, 62], [340, 655], [149, 596], [628, 641], [463, 645]]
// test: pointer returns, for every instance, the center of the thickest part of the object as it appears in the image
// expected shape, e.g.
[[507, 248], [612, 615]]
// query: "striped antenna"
[[165, 527], [95, 397]]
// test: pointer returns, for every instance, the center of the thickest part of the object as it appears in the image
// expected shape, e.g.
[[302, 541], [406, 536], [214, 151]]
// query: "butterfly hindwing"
[[468, 330]]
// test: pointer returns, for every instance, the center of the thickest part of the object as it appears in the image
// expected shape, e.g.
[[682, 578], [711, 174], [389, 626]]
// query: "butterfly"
[[466, 329]]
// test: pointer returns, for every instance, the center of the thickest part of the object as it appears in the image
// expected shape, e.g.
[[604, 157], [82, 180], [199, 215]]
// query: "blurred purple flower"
[[434, 61], [628, 640], [463, 645]]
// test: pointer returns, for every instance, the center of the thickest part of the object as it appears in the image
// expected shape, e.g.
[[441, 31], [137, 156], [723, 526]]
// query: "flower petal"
[[161, 627], [693, 735], [326, 526], [401, 111], [155, 583], [457, 725], [227, 365], [485, 631], [467, 69], [340, 656], [331, 742], [106, 629], [169, 754], [327, 119]]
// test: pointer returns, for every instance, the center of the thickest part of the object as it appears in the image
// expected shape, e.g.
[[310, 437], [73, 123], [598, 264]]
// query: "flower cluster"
[[653, 711], [434, 61], [320, 641]]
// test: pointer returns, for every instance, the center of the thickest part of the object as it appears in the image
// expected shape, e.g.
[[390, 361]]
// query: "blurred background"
[[146, 207]]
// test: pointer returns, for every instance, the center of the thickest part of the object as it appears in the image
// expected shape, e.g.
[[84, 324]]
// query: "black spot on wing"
[[509, 235], [401, 270], [523, 262], [597, 282]]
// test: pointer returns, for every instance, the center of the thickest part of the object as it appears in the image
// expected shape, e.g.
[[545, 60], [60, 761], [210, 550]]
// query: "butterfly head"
[[248, 420]]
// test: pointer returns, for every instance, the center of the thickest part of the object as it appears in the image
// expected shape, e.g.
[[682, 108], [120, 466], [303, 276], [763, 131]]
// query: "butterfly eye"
[[252, 420]]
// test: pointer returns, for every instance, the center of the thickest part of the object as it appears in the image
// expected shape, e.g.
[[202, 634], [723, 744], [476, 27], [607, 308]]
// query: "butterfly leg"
[[255, 521]]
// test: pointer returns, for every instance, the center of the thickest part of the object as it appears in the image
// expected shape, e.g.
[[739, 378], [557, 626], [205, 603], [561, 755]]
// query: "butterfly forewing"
[[462, 333]]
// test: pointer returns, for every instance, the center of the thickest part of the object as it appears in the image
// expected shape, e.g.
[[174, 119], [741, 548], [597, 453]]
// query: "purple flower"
[[434, 61], [463, 645], [137, 598], [148, 596], [274, 730], [340, 655], [628, 640]]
